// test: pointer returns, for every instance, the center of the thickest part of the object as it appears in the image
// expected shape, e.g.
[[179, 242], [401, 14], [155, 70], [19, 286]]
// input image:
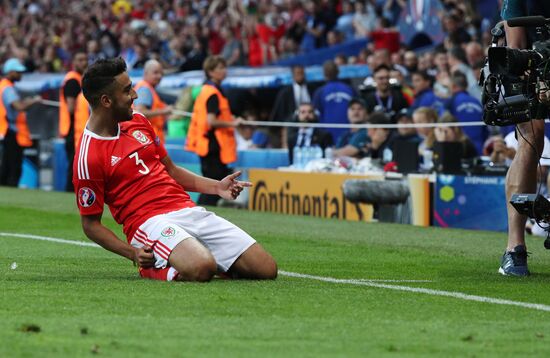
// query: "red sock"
[[163, 274]]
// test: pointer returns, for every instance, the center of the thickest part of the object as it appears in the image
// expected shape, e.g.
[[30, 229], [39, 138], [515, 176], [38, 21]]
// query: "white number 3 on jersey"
[[145, 169]]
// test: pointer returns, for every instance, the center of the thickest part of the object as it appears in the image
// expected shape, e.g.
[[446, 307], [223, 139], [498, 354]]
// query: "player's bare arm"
[[228, 188], [97, 232]]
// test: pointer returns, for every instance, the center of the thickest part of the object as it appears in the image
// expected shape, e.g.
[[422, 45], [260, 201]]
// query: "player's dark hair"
[[99, 78]]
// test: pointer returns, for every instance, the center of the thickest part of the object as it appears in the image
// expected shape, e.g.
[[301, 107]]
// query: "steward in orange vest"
[[198, 138], [13, 123], [148, 101], [211, 132], [73, 111]]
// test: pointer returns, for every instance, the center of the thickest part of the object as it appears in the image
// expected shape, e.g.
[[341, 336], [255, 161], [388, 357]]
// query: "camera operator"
[[521, 177]]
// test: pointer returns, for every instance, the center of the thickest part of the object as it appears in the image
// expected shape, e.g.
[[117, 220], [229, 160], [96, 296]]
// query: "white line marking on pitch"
[[368, 283]]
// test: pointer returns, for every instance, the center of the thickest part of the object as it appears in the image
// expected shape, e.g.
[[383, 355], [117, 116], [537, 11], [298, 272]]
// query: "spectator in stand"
[[424, 94], [127, 52], [364, 18], [314, 28], [385, 36], [307, 136], [94, 51], [458, 62], [344, 24], [380, 140], [334, 37], [149, 102], [410, 61], [381, 57], [384, 98], [467, 108], [331, 100], [232, 50], [425, 115], [141, 55], [397, 76], [453, 26], [455, 134], [289, 98], [353, 142], [474, 53], [406, 133]]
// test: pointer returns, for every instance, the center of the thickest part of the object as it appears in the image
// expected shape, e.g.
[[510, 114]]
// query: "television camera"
[[512, 79]]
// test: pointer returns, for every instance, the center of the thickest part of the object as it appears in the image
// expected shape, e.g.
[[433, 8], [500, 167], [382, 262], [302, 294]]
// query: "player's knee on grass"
[[193, 261], [255, 263]]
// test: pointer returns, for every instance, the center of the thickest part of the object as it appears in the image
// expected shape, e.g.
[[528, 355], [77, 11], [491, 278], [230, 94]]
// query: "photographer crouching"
[[521, 76]]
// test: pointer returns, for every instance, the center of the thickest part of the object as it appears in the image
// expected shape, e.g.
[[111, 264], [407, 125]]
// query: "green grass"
[[89, 302]]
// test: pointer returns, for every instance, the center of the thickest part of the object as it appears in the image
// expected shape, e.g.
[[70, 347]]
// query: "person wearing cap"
[[380, 139], [13, 123], [409, 134], [352, 142]]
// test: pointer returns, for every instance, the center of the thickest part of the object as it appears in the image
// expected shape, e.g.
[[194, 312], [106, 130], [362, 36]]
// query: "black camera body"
[[511, 78]]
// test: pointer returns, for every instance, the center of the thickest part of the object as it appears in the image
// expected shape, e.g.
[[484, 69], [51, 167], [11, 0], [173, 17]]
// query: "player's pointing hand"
[[230, 188]]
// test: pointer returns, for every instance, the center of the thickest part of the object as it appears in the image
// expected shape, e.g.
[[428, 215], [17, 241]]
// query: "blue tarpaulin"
[[238, 77]]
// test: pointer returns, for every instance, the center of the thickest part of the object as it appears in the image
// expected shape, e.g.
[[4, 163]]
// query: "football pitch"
[[345, 289]]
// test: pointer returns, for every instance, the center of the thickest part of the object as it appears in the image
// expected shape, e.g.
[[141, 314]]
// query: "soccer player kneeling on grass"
[[121, 162]]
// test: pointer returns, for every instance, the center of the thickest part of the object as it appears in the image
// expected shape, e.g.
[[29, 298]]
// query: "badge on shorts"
[[142, 138], [86, 197], [168, 231]]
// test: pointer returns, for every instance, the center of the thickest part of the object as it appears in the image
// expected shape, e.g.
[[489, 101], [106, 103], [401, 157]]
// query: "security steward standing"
[[148, 102], [13, 123], [73, 111], [211, 132]]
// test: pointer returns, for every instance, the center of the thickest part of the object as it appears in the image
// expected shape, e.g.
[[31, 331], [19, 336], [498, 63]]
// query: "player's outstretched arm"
[[228, 188], [97, 232]]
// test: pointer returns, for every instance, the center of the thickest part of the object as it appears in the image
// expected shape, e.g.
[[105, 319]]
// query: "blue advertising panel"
[[470, 202]]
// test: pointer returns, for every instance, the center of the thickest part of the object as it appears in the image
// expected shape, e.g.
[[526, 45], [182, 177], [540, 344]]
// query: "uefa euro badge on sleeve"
[[86, 197]]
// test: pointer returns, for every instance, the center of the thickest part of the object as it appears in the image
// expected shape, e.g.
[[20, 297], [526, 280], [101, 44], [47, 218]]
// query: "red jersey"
[[125, 172]]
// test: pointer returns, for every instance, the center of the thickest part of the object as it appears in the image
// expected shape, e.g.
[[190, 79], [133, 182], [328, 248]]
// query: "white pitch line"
[[51, 239], [359, 282], [459, 295]]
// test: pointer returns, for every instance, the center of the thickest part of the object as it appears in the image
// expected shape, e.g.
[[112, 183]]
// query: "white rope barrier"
[[326, 125]]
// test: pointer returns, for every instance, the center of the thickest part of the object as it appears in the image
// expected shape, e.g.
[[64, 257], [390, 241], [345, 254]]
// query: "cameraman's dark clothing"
[[390, 105], [518, 8]]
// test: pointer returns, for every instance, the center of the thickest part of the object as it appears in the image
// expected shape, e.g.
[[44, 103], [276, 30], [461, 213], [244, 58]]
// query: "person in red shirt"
[[121, 162]]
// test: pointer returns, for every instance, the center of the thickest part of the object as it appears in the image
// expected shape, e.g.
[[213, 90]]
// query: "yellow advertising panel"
[[312, 194], [419, 186]]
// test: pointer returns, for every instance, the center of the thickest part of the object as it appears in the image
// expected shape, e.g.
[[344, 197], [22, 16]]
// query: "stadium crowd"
[[45, 34]]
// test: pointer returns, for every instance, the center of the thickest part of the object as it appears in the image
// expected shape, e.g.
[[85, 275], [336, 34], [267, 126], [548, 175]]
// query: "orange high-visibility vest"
[[197, 137], [64, 115], [23, 136], [81, 115], [157, 121]]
